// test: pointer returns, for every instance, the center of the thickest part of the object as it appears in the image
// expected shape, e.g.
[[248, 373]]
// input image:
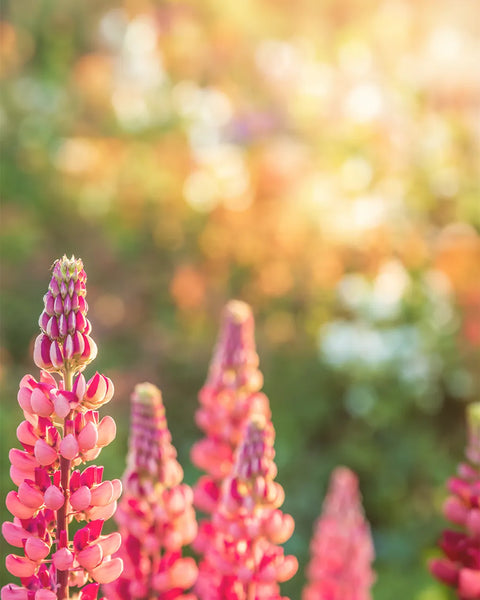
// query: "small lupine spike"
[[242, 559], [341, 549], [155, 516], [460, 567], [55, 347], [61, 432]]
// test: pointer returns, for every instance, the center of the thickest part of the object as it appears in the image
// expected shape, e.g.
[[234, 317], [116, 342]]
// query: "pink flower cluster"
[[341, 548], [242, 559], [59, 433], [460, 568], [229, 398], [156, 516]]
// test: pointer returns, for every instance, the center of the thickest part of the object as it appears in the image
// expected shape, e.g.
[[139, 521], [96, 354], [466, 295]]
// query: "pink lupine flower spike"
[[155, 516], [460, 567], [341, 549], [61, 431], [243, 560]]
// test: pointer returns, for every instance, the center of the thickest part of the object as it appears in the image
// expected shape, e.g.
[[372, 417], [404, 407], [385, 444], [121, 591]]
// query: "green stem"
[[62, 521]]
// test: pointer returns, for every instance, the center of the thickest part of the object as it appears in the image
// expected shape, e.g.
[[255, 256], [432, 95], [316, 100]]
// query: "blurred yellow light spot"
[[356, 174], [141, 35], [113, 25], [130, 107], [364, 103], [355, 57], [76, 156], [187, 288], [109, 310], [201, 191]]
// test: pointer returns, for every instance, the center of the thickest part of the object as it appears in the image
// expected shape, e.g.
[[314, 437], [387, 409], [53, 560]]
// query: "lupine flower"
[[243, 560], [61, 431], [460, 568], [155, 516], [229, 398], [341, 548]]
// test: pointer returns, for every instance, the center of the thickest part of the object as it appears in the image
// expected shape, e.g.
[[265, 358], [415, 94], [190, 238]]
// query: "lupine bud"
[[242, 559], [64, 342], [59, 433], [460, 568], [341, 548], [155, 515]]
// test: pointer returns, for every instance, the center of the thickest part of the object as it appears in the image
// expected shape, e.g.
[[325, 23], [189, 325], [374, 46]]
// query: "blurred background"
[[317, 159]]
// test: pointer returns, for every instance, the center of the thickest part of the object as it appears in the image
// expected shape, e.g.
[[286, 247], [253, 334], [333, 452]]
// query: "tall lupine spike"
[[61, 432], [460, 568], [341, 549], [155, 516], [229, 398], [242, 559]]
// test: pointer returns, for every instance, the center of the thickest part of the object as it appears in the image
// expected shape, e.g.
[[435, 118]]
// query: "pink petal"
[[102, 494], [91, 350], [36, 549], [20, 566], [89, 592], [102, 512], [96, 389], [81, 499], [108, 571], [68, 346], [23, 397], [17, 508], [88, 437], [26, 433], [45, 454], [13, 592], [56, 355], [110, 543], [14, 534], [61, 406], [52, 328], [79, 387], [45, 595], [41, 352], [41, 405], [53, 498], [469, 584], [22, 460], [183, 573], [107, 430], [78, 344], [90, 557], [62, 326], [30, 495], [69, 447], [63, 559], [117, 488]]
